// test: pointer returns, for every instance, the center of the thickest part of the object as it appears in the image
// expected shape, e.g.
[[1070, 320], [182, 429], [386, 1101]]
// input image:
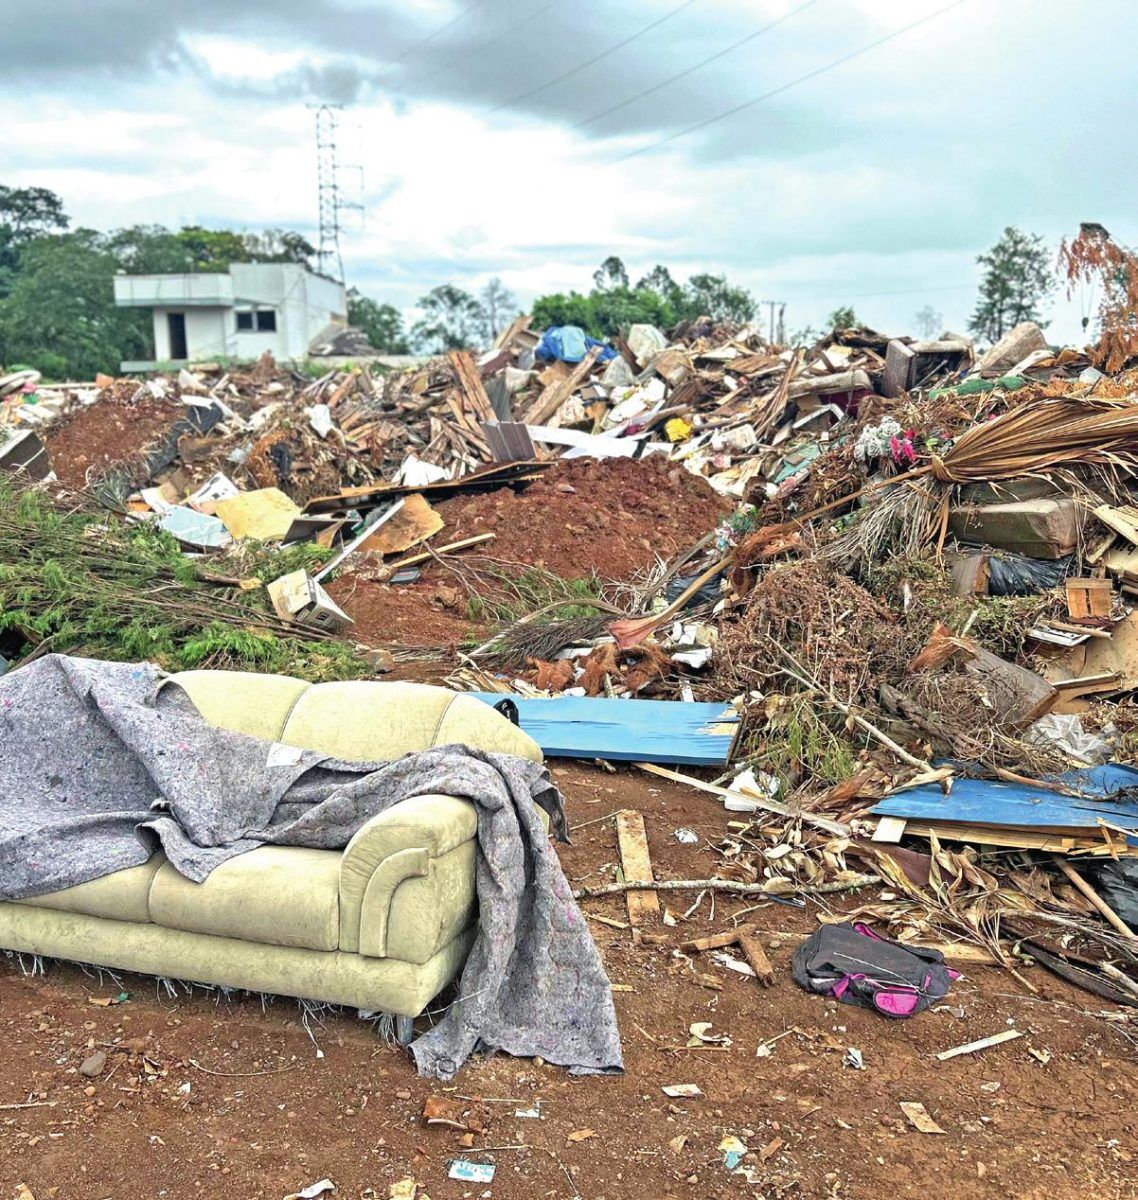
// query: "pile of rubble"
[[909, 569]]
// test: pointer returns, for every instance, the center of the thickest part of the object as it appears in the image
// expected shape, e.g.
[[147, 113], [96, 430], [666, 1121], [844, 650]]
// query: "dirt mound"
[[418, 614], [106, 433], [612, 516]]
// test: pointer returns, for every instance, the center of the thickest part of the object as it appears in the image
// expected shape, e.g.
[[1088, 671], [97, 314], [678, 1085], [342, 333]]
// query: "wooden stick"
[[757, 957], [412, 559], [713, 941], [1008, 1035], [720, 885], [1111, 916], [858, 720], [783, 810]]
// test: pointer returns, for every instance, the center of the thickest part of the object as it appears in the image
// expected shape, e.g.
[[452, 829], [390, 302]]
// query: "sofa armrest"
[[395, 846]]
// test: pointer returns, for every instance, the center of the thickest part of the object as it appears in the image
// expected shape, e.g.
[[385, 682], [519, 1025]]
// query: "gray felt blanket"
[[102, 763]]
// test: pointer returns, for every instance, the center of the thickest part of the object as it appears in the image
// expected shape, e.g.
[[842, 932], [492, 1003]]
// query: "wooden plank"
[[637, 865], [668, 731], [555, 395], [470, 384]]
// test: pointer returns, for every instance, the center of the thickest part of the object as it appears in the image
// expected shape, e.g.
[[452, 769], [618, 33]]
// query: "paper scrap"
[[682, 1091], [471, 1172]]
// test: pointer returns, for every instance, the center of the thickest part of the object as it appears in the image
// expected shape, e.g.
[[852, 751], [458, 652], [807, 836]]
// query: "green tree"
[[1017, 281], [383, 323], [660, 281], [498, 304], [451, 320], [712, 296], [25, 213], [610, 274], [60, 314], [843, 317]]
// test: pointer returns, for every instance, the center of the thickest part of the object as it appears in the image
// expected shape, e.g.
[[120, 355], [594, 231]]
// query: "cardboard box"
[[300, 600]]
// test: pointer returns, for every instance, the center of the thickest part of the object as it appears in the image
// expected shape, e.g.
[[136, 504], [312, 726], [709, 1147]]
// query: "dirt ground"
[[206, 1097], [105, 434]]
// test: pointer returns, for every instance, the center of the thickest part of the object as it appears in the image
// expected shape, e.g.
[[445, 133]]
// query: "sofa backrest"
[[351, 719]]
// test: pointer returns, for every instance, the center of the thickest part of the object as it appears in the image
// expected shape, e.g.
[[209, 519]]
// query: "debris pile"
[[910, 569]]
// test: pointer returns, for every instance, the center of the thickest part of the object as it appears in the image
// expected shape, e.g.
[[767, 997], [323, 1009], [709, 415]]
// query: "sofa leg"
[[404, 1030]]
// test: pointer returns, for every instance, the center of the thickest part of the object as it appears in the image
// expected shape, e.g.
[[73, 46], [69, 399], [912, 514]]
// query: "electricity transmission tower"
[[329, 192]]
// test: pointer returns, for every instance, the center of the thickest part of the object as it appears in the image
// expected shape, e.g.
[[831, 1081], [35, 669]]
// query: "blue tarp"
[[659, 731], [570, 344], [1109, 792]]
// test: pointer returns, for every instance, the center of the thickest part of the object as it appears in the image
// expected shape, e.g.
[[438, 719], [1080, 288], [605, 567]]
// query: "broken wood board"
[[637, 865], [1123, 520], [559, 390], [665, 731], [1116, 655], [470, 384], [415, 522]]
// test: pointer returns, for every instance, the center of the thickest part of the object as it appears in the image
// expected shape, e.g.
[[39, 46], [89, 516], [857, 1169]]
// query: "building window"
[[266, 320], [244, 322]]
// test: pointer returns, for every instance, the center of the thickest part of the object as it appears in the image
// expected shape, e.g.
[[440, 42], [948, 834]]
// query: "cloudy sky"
[[530, 139]]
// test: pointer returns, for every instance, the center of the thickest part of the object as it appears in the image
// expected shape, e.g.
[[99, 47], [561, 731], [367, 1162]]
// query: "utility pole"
[[776, 330], [330, 198]]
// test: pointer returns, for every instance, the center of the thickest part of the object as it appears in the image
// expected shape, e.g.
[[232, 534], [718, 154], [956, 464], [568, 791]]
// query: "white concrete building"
[[253, 307]]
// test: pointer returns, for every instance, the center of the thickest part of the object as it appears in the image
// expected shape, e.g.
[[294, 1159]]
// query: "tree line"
[[57, 309]]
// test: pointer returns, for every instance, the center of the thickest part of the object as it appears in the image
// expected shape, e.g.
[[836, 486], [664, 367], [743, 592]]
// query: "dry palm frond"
[[900, 523], [1035, 437]]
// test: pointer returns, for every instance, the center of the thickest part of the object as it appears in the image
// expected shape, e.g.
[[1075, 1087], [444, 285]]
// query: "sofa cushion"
[[121, 896], [243, 701], [278, 895], [361, 720]]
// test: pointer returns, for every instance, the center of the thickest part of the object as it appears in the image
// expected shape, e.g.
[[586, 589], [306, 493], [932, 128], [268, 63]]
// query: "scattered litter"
[[853, 1058], [313, 1190], [997, 1039], [471, 1172], [682, 1091], [733, 1151], [685, 836], [918, 1116]]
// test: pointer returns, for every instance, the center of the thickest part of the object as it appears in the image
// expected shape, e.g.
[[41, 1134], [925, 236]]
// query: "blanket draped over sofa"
[[103, 763]]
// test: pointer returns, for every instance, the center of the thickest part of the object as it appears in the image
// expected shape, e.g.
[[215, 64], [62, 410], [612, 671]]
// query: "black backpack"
[[854, 965]]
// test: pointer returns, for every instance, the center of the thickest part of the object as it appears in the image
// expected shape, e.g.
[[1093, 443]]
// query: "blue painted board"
[[1109, 791], [659, 731]]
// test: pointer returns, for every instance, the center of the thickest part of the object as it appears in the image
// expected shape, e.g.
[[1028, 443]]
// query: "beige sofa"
[[383, 925]]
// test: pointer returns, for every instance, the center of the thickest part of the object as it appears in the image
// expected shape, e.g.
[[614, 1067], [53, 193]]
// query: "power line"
[[594, 60], [690, 70], [738, 108], [950, 287], [431, 36], [482, 47]]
